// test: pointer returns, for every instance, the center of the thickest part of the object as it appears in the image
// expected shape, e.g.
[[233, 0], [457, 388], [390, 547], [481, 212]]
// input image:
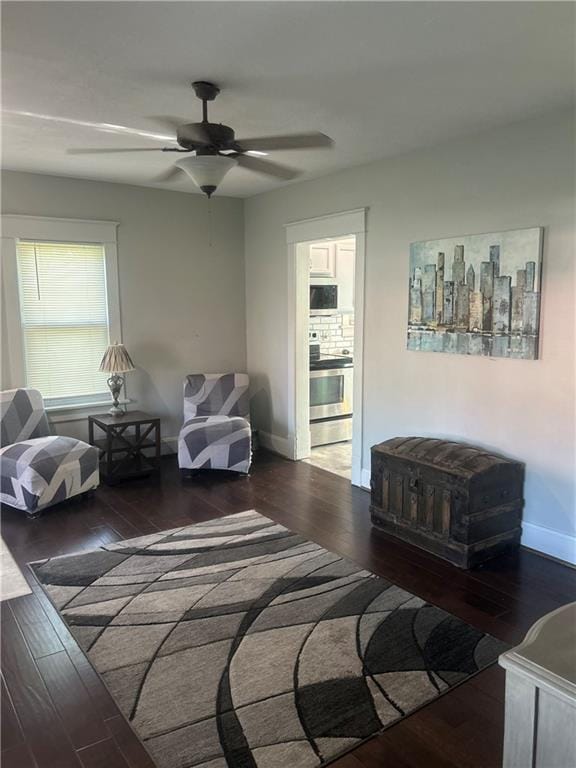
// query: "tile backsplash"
[[334, 332]]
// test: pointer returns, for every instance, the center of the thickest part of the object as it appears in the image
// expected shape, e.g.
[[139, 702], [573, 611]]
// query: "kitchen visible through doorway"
[[331, 352]]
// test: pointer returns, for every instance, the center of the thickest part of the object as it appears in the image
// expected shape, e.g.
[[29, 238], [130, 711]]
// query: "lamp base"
[[115, 383]]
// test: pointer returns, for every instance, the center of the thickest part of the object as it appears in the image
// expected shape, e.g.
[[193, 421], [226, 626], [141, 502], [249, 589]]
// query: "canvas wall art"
[[477, 294]]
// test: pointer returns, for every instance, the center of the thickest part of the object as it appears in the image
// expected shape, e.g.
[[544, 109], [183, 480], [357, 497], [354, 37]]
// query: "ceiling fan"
[[216, 149]]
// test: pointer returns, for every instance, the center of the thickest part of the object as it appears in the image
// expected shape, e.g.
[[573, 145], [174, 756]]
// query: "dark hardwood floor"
[[56, 713]]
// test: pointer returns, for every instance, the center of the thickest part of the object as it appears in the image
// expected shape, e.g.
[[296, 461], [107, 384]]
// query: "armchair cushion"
[[215, 442], [39, 472]]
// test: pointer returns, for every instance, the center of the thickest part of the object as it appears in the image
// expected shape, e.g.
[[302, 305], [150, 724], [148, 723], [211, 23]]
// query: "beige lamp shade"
[[116, 360]]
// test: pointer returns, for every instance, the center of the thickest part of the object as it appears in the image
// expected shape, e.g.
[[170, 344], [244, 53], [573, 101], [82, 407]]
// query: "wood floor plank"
[[11, 733], [348, 761], [132, 749], [105, 754], [18, 756], [93, 683], [490, 681], [462, 726], [462, 729], [81, 719], [54, 618], [39, 633], [381, 752], [41, 726]]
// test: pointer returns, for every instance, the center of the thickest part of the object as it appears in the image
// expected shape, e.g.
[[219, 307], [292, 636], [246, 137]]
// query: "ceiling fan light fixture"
[[207, 171], [215, 147]]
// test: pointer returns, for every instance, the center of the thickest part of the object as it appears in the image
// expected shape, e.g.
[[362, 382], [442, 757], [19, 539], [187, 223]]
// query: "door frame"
[[298, 235]]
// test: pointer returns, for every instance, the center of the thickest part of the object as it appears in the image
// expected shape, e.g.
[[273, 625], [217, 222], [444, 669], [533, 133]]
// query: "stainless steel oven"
[[331, 392]]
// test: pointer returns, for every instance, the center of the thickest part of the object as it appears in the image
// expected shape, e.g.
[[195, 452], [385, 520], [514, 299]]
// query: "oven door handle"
[[325, 372]]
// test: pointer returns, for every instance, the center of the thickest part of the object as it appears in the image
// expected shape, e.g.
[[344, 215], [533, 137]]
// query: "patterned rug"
[[239, 643]]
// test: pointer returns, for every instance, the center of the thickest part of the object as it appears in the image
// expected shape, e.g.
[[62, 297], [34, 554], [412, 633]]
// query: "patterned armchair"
[[216, 431], [38, 469]]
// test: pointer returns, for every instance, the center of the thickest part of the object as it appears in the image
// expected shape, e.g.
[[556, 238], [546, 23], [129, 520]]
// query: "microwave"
[[323, 299]]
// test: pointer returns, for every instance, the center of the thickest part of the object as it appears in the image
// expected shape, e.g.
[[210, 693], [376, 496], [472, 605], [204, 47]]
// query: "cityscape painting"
[[477, 294]]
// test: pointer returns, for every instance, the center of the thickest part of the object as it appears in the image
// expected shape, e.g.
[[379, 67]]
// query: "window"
[[61, 295], [64, 317]]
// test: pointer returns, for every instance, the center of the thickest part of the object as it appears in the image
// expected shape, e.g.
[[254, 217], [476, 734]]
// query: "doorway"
[[331, 353], [325, 341]]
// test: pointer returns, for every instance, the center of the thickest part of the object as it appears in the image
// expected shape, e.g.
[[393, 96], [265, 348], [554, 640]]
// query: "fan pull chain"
[[209, 223]]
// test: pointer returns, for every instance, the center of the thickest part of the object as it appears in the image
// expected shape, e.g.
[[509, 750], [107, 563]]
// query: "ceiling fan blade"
[[289, 141], [104, 127], [100, 151], [168, 175], [266, 167]]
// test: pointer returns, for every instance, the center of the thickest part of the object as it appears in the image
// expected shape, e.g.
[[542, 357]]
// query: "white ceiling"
[[380, 78]]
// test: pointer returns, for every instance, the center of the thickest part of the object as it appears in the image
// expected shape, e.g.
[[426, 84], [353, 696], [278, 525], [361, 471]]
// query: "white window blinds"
[[64, 315]]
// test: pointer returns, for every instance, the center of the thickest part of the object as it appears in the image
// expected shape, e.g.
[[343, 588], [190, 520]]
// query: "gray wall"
[[182, 294], [517, 176], [183, 304]]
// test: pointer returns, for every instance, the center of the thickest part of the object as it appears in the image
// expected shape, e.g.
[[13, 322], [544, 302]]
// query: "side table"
[[122, 447]]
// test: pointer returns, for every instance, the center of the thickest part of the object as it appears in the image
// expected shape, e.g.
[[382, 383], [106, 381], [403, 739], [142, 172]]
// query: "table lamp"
[[116, 361]]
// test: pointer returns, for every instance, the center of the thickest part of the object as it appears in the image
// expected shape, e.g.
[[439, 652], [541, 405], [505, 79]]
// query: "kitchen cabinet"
[[323, 260], [345, 257]]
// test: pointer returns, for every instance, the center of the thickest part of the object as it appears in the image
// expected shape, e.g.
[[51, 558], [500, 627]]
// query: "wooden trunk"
[[454, 500]]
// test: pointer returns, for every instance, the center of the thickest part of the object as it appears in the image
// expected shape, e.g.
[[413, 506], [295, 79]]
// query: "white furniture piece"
[[540, 724]]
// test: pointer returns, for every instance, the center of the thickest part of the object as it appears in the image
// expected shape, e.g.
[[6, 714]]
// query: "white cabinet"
[[345, 258], [332, 262], [540, 720], [323, 260]]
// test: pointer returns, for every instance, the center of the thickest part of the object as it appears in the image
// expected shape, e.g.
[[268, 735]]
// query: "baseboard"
[[365, 481], [281, 445], [553, 543], [169, 446]]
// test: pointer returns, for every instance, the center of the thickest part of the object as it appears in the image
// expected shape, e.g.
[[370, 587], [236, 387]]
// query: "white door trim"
[[297, 233], [336, 224]]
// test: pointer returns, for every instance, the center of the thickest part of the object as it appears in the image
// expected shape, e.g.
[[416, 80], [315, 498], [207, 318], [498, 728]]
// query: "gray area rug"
[[239, 643]]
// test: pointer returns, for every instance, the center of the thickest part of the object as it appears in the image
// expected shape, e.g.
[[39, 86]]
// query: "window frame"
[[17, 227]]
